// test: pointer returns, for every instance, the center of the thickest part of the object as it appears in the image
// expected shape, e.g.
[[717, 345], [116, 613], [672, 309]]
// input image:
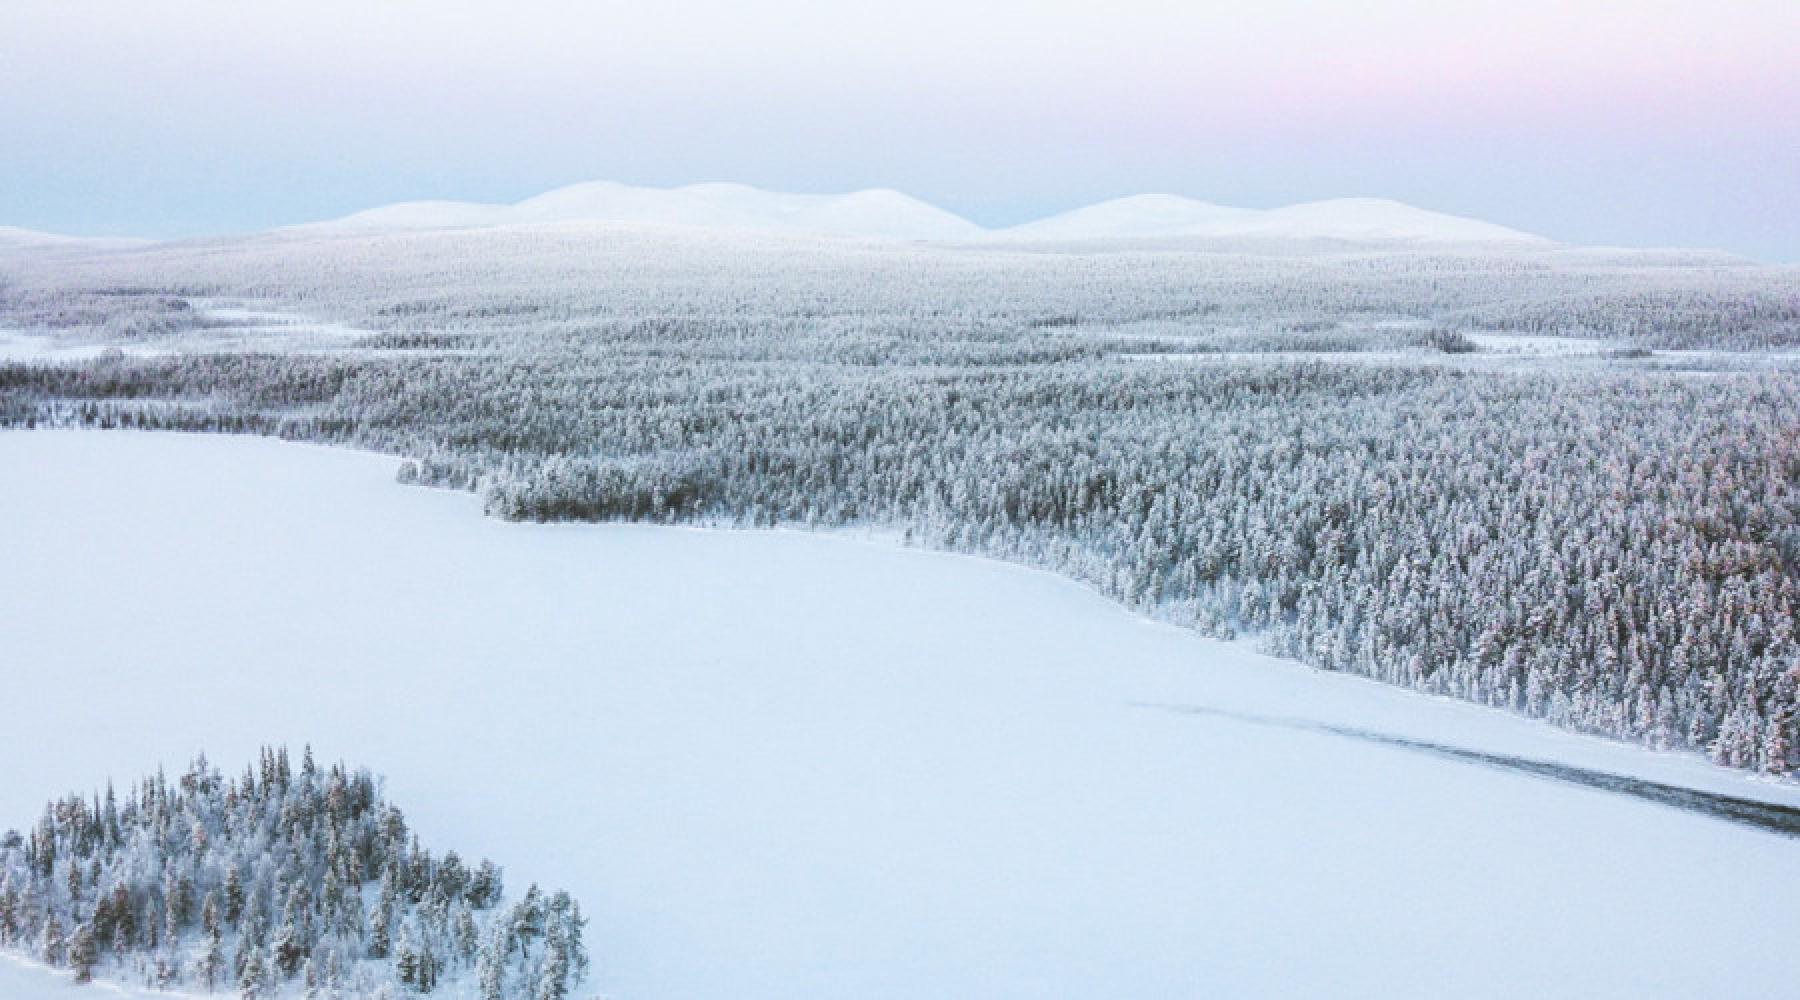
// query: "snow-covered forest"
[[287, 879], [1561, 482]]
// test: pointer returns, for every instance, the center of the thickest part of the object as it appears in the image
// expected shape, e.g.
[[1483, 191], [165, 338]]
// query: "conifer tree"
[[83, 953]]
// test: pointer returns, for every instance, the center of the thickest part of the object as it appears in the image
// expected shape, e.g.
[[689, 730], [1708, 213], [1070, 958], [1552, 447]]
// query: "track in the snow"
[[1770, 816]]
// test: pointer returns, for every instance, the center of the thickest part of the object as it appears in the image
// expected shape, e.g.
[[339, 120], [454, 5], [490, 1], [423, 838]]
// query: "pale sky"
[[1649, 122]]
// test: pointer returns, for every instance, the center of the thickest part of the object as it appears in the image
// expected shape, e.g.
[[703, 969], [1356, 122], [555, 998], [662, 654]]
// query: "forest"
[[284, 880], [1342, 453]]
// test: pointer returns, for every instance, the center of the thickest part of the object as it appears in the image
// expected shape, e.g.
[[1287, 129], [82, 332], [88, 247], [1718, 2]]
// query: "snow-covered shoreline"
[[824, 764]]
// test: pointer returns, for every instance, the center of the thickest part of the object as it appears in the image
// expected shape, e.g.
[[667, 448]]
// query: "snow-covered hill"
[[14, 237], [1164, 216], [1143, 215], [887, 214], [881, 214]]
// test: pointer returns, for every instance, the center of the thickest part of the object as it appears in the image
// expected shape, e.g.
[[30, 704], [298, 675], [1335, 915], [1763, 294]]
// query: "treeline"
[[1616, 555], [768, 297], [278, 880]]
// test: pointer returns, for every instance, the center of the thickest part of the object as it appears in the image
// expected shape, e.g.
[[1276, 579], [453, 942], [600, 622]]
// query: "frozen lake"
[[776, 764]]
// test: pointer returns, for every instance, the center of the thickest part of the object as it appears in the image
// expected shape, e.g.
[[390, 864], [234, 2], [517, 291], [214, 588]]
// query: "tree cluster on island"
[[283, 881]]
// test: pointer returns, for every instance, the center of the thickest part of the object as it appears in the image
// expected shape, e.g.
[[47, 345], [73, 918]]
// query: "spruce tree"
[[83, 953], [50, 947], [253, 979], [406, 958]]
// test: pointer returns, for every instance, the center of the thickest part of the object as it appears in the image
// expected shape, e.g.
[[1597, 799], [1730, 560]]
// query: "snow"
[[221, 326], [781, 764], [881, 214], [1348, 219], [237, 325], [1536, 346], [16, 346], [21, 979]]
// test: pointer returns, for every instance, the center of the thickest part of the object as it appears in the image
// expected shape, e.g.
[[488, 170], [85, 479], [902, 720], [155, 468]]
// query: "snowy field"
[[15, 346], [775, 764], [221, 326]]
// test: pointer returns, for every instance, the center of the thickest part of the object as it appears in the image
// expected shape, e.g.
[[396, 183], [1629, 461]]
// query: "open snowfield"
[[29, 347], [775, 764]]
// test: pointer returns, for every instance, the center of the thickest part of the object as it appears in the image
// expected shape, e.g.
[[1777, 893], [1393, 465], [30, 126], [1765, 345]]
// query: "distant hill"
[[884, 214], [15, 237], [880, 214], [1164, 216]]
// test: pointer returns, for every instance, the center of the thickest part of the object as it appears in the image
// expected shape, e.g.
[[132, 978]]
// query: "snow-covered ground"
[[22, 979], [1535, 346], [220, 326], [16, 346], [243, 320], [775, 764]]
